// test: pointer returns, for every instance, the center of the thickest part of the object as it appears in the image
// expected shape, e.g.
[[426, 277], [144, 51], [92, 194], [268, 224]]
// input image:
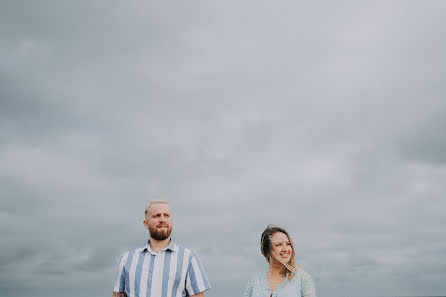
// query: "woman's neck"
[[276, 269], [275, 276]]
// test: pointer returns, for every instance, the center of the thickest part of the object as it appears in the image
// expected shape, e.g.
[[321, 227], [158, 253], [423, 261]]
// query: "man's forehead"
[[159, 208]]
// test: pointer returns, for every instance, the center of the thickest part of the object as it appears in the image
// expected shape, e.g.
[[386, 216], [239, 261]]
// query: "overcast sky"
[[327, 118]]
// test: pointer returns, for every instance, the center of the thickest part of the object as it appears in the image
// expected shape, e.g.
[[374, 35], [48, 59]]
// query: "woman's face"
[[281, 246]]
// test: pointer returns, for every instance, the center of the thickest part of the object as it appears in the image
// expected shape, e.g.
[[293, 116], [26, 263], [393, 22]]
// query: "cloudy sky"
[[327, 118]]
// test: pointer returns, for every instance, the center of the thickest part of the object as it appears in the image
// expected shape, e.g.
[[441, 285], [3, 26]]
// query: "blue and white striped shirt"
[[172, 272]]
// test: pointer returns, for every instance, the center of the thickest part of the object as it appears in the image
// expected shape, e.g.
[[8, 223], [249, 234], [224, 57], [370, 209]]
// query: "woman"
[[283, 278]]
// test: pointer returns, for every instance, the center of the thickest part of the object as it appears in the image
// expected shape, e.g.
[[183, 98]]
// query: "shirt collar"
[[173, 247]]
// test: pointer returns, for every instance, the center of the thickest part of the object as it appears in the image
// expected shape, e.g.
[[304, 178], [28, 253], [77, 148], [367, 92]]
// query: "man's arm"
[[193, 287], [120, 278]]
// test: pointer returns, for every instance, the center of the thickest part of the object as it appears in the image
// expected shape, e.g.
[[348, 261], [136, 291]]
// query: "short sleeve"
[[120, 277], [308, 288], [196, 279]]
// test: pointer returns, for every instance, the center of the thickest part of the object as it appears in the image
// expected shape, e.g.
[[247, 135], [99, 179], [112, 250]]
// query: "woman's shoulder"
[[256, 284], [302, 277], [304, 274], [305, 281]]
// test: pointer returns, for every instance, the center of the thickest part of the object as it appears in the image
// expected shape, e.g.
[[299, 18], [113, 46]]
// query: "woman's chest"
[[286, 289]]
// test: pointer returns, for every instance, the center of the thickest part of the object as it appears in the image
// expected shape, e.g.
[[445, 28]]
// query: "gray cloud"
[[325, 118]]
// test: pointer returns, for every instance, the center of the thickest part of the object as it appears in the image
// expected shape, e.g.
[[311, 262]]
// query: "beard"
[[160, 233]]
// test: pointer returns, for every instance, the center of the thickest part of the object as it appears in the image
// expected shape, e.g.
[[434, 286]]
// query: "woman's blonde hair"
[[290, 268]]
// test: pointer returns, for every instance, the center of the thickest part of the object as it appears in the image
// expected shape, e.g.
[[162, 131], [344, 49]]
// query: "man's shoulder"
[[180, 248], [186, 252], [131, 252]]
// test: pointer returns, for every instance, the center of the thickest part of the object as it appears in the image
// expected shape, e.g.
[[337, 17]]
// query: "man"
[[161, 268]]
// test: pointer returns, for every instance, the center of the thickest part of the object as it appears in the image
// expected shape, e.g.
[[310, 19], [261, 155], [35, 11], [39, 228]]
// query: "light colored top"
[[301, 285], [172, 272]]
